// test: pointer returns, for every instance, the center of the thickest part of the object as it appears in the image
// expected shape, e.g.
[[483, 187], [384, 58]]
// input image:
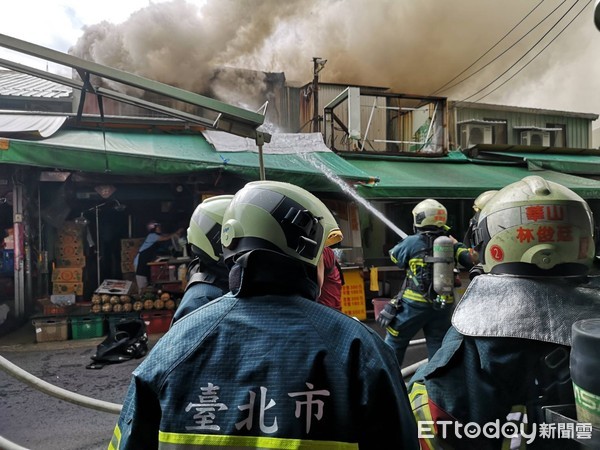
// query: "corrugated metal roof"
[[16, 84]]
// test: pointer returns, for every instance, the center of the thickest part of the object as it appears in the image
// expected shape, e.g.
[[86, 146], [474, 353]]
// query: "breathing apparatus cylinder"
[[584, 365], [443, 270]]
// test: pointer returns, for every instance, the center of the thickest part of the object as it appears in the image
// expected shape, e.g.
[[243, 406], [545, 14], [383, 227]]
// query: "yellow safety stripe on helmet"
[[116, 439], [171, 441], [419, 401]]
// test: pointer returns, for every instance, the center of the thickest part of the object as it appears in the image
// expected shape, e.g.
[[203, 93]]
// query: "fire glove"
[[388, 313]]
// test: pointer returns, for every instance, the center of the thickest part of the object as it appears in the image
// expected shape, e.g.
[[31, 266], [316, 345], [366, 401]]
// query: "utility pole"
[[318, 64]]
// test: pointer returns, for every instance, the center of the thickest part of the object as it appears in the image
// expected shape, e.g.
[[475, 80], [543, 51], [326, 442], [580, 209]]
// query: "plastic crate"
[[157, 321], [114, 319], [50, 309], [50, 329], [86, 327]]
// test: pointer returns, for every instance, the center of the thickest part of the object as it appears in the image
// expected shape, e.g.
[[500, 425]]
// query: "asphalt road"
[[37, 421]]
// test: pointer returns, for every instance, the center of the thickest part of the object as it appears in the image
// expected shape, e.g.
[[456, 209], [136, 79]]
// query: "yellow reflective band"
[[415, 296], [116, 439], [461, 250], [519, 411], [173, 440], [419, 401]]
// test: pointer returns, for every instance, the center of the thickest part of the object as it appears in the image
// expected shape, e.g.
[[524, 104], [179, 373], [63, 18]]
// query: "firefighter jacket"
[[506, 355], [409, 254], [267, 371], [202, 287]]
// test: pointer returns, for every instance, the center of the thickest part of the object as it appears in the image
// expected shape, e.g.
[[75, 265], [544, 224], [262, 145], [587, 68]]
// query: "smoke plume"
[[408, 46]]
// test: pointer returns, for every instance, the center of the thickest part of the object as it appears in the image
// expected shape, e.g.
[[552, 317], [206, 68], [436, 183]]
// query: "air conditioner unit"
[[473, 134], [535, 137]]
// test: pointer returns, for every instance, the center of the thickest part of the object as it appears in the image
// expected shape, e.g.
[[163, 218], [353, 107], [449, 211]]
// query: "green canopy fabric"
[[454, 178], [572, 164], [161, 154]]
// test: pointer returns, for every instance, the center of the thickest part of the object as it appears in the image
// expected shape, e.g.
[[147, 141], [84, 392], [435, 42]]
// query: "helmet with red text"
[[429, 214], [535, 227]]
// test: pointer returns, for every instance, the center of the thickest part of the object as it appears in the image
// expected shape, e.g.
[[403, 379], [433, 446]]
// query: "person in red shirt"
[[330, 272]]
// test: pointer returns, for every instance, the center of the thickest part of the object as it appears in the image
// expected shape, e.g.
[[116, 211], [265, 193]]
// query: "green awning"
[[454, 179], [576, 161], [573, 164], [161, 154]]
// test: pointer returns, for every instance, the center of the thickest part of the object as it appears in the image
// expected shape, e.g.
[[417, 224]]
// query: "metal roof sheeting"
[[15, 84]]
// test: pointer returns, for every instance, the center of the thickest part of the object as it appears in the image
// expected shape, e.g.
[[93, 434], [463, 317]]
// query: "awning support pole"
[[260, 140]]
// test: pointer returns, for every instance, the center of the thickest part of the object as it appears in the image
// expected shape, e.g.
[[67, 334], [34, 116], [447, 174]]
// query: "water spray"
[[352, 193]]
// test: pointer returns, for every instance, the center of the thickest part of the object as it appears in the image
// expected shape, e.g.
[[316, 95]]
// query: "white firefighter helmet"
[[204, 231], [281, 217], [482, 199], [535, 227], [429, 213]]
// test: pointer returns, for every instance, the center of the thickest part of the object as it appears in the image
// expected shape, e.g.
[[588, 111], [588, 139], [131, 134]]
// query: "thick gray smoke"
[[408, 46]]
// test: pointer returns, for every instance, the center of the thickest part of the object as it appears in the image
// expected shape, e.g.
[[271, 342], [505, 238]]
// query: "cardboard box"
[[52, 309], [67, 275], [114, 287], [76, 261], [70, 251], [67, 288], [129, 249], [70, 240]]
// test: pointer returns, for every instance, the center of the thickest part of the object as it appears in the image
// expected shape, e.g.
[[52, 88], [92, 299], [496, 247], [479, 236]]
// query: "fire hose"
[[54, 391]]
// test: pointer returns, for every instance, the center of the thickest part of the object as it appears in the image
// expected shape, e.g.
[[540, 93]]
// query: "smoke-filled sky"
[[410, 46]]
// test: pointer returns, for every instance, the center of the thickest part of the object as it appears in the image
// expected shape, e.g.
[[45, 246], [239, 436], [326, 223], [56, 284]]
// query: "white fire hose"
[[55, 391], [8, 445]]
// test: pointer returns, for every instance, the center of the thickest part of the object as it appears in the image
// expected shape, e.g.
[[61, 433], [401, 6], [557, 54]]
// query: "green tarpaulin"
[[572, 164], [161, 154], [454, 178]]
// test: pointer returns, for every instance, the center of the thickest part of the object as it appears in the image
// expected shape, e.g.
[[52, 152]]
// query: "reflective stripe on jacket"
[[409, 254]]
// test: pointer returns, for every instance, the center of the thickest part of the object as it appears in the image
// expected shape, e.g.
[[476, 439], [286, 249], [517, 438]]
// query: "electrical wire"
[[512, 46], [521, 58], [443, 88], [537, 54]]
